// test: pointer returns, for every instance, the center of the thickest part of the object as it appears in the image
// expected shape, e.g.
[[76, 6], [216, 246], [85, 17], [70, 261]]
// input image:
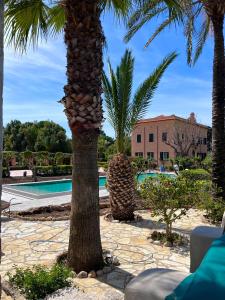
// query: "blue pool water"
[[65, 185]]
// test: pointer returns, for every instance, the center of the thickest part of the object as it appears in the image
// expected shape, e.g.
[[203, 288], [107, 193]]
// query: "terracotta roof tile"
[[166, 118]]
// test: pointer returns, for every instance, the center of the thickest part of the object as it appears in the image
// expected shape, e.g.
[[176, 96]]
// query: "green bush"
[[196, 174], [39, 281], [62, 170], [214, 207], [5, 172], [103, 164], [171, 198], [16, 168], [214, 210], [187, 162]]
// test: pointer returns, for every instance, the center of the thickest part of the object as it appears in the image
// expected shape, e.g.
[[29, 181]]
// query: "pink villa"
[[165, 137]]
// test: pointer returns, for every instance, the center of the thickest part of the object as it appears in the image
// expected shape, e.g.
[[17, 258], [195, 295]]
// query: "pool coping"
[[9, 189]]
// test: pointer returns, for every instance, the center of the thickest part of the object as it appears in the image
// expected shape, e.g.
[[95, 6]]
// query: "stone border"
[[11, 291], [11, 188]]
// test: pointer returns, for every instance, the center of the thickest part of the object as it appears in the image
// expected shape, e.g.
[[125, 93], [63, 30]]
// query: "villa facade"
[[165, 137]]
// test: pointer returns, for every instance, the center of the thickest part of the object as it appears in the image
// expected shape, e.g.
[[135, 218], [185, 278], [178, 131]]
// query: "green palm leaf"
[[26, 22], [146, 90], [123, 110]]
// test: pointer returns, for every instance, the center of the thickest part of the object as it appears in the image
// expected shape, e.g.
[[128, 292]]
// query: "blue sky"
[[34, 82]]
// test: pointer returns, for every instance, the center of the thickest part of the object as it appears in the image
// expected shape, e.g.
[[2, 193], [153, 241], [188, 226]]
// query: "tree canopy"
[[36, 136]]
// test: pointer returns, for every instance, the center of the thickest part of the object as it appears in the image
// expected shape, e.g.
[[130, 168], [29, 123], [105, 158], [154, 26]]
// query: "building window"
[[150, 155], [205, 141], [138, 138], [139, 154], [151, 137], [164, 155], [200, 141], [164, 136], [201, 155]]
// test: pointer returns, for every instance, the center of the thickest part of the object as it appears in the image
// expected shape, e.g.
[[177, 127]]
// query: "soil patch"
[[54, 212]]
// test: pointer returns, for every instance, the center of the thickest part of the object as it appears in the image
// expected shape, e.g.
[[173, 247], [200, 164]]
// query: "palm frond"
[[117, 91], [201, 38], [122, 111], [189, 32], [143, 20], [146, 90], [25, 23], [159, 29], [56, 19], [120, 8]]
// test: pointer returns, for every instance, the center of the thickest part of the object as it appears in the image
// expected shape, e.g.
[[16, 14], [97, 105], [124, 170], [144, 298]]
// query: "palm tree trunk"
[[85, 252], [83, 106], [218, 125], [1, 102]]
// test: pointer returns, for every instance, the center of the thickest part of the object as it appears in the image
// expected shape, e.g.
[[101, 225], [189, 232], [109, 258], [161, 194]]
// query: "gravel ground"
[[73, 293]]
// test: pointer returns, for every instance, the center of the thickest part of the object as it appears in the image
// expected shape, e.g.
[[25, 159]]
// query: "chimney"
[[192, 118]]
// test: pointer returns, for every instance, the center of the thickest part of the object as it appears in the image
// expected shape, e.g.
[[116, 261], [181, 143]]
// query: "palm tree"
[[124, 110], [29, 21], [1, 100], [199, 18]]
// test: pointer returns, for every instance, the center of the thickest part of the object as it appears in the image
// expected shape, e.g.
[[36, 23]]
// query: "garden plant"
[[171, 198]]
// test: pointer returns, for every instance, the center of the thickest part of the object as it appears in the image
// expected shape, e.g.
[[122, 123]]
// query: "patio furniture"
[[207, 282], [5, 205], [153, 284], [201, 239], [157, 284]]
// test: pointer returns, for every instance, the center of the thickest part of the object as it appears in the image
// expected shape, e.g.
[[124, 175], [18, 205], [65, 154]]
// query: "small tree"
[[27, 159], [8, 156], [42, 158], [59, 157], [171, 198]]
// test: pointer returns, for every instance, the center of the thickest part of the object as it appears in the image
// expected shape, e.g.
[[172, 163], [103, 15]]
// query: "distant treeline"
[[36, 136], [51, 137]]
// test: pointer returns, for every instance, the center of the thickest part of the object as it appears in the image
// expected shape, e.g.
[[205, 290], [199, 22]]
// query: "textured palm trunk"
[[1, 104], [83, 107], [218, 116], [120, 180]]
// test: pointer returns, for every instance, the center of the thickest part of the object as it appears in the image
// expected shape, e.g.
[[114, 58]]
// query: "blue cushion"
[[208, 281]]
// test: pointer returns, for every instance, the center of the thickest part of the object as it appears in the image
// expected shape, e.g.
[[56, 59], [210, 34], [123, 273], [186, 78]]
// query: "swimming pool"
[[58, 187]]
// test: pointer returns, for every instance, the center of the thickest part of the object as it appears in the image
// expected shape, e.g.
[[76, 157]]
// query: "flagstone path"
[[27, 243]]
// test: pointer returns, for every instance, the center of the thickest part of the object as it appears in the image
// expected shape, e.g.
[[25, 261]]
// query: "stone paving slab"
[[26, 243]]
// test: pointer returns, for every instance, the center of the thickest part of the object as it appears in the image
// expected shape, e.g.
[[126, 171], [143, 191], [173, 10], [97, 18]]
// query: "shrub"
[[59, 157], [39, 281], [175, 239], [103, 164], [214, 207], [16, 168], [207, 163], [196, 174], [187, 162], [5, 173], [214, 210], [171, 198], [53, 170]]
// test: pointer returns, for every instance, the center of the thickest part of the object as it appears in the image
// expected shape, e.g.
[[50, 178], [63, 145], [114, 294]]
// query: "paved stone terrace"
[[27, 243]]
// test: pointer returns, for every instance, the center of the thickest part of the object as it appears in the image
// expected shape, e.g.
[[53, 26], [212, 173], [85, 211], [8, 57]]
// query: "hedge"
[[16, 168], [5, 172], [103, 164], [53, 170], [196, 174]]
